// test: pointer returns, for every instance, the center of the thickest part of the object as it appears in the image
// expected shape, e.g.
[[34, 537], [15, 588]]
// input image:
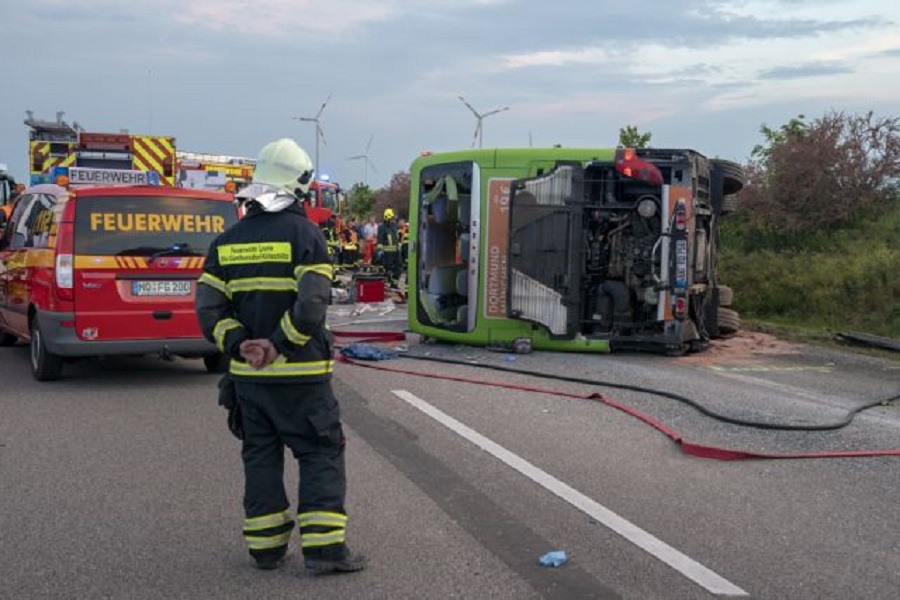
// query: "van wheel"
[[216, 363], [45, 366], [7, 339]]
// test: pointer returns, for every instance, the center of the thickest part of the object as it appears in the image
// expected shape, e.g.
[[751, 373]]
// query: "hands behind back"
[[258, 353]]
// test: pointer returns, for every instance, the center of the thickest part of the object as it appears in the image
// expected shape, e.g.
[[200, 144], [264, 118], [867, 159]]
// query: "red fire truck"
[[214, 172], [326, 200], [56, 146]]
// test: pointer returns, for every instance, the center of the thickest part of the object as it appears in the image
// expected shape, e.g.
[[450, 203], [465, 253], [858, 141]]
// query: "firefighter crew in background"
[[333, 240], [388, 247], [262, 299], [349, 246], [403, 231]]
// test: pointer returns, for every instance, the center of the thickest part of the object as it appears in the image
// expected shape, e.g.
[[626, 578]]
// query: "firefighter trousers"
[[306, 419], [392, 266]]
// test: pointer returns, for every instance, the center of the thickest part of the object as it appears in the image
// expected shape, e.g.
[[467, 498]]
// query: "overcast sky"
[[227, 76]]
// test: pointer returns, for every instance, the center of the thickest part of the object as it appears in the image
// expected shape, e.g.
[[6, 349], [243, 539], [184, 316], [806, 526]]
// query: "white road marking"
[[682, 563]]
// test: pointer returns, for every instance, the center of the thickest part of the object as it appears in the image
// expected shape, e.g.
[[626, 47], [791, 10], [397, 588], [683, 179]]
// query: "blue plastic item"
[[554, 559], [367, 352]]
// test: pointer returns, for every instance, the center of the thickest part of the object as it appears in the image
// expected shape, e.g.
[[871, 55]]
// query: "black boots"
[[348, 563], [269, 563]]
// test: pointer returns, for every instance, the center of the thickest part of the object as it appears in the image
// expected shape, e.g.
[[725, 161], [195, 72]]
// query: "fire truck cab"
[[325, 200]]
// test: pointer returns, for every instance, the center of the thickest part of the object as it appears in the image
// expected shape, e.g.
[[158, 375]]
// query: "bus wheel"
[[726, 295], [729, 322], [45, 366], [216, 363]]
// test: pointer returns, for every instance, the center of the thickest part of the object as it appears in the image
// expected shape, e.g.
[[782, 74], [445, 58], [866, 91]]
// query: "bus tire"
[[216, 363], [733, 176], [45, 366], [729, 204], [726, 295], [729, 322]]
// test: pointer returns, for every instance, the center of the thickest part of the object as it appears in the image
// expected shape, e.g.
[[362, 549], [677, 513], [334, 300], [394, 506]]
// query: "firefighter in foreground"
[[262, 299], [387, 249]]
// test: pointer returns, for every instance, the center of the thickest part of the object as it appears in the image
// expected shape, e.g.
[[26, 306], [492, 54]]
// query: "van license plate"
[[161, 288]]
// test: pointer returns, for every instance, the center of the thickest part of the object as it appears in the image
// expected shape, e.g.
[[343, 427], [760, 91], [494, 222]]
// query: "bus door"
[[446, 253]]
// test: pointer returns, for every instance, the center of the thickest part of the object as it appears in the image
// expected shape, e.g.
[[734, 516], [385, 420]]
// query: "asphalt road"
[[121, 481]]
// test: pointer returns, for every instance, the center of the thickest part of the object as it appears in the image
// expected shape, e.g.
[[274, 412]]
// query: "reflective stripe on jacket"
[[388, 236], [269, 276]]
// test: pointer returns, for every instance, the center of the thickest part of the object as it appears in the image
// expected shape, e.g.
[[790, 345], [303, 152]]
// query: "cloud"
[[805, 70], [555, 58], [283, 18]]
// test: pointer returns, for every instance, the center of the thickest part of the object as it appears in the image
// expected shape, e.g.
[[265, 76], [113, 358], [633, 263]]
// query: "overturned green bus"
[[586, 250]]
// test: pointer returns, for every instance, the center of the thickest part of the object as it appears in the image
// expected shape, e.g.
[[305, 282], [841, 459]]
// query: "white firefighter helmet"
[[286, 167]]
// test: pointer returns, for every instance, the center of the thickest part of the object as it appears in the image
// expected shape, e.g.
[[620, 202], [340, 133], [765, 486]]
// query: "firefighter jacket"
[[349, 239], [269, 276], [388, 237], [331, 238]]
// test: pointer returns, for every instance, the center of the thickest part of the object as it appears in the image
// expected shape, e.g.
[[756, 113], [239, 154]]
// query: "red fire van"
[[111, 270]]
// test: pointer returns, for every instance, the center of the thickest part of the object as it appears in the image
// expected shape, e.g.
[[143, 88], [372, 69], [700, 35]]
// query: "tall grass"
[[840, 280]]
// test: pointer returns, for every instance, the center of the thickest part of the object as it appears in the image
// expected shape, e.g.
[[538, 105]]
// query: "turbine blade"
[[319, 114], [474, 112], [494, 112]]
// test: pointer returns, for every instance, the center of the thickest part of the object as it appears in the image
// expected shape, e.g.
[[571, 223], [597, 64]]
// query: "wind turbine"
[[365, 157], [481, 116], [320, 134]]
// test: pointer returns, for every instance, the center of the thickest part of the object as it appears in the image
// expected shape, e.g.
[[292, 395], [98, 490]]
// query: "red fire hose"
[[689, 448]]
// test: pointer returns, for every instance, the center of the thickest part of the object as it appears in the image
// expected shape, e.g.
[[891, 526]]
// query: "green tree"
[[630, 137], [395, 195], [828, 173], [794, 129], [361, 198]]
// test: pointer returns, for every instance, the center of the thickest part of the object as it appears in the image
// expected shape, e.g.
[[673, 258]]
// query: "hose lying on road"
[[848, 418], [692, 449]]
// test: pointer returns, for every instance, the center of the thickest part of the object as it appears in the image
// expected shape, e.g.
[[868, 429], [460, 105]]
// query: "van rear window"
[[145, 225]]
